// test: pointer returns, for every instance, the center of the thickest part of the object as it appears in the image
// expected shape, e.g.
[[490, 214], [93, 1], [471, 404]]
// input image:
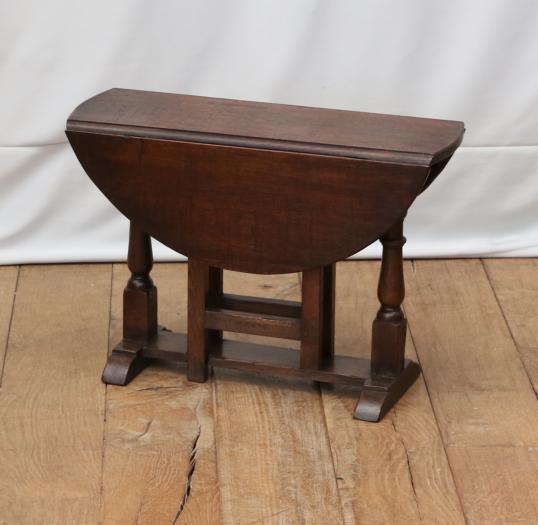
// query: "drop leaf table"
[[260, 188]]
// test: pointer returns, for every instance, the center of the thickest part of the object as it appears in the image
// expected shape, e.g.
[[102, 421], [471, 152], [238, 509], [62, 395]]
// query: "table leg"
[[390, 375], [389, 326], [311, 354], [205, 286], [329, 287], [139, 312], [214, 293]]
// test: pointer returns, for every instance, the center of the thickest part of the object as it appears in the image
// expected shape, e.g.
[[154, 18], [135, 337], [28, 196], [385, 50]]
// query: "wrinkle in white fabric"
[[471, 61]]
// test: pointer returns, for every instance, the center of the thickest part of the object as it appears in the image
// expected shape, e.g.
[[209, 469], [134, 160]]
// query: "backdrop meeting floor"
[[470, 61]]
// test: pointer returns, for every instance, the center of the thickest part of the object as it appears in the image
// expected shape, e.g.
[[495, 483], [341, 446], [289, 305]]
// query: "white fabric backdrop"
[[470, 60]]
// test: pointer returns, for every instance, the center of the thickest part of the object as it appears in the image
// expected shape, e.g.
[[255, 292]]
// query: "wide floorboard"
[[460, 448]]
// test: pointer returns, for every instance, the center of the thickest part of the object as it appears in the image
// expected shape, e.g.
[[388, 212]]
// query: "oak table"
[[260, 188]]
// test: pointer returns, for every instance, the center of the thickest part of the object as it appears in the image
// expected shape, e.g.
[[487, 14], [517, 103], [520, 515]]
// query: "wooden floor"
[[460, 447]]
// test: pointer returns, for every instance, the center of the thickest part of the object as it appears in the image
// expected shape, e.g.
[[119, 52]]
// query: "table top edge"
[[82, 120]]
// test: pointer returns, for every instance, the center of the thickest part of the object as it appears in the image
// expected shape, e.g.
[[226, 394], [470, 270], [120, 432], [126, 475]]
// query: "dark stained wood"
[[123, 365], [253, 323], [329, 306], [167, 345], [197, 336], [218, 180], [389, 327], [260, 188], [259, 306], [273, 360], [377, 397], [139, 312], [140, 294], [388, 334], [268, 126], [227, 207], [285, 362], [214, 295], [312, 319]]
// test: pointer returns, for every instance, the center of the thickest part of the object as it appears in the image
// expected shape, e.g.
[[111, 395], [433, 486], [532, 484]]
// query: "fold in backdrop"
[[475, 61]]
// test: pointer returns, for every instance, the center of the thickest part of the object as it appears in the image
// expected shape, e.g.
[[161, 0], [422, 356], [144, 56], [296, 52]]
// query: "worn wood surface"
[[52, 404], [159, 447], [395, 471], [481, 394], [268, 126], [8, 285], [275, 464], [460, 447], [515, 283]]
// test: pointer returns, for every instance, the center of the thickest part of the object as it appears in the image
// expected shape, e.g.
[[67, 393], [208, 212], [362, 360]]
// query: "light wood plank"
[[468, 356], [274, 460], [479, 389], [498, 485], [469, 345], [486, 418], [8, 284], [51, 401], [159, 432], [515, 282], [395, 471]]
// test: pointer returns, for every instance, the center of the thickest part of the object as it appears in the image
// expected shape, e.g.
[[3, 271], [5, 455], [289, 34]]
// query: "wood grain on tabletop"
[[247, 123]]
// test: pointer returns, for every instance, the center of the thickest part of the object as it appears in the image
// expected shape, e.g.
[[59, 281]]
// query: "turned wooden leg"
[[139, 312], [390, 375], [389, 326]]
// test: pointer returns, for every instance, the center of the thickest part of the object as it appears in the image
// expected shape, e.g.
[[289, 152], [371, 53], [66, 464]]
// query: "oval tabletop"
[[256, 187]]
